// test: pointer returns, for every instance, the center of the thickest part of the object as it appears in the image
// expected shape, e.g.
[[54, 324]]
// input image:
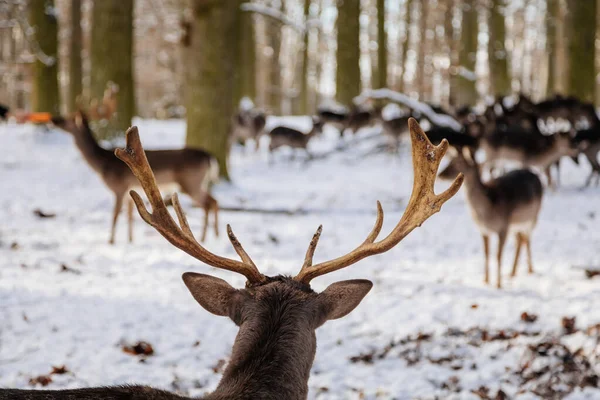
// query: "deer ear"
[[340, 298], [213, 294]]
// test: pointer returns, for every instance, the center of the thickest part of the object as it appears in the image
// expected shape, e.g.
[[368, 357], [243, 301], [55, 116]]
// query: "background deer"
[[191, 169], [285, 136], [393, 129], [506, 205], [248, 124], [277, 316], [528, 148]]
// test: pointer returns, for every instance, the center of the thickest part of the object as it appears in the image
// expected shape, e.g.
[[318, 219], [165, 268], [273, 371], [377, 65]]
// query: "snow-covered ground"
[[430, 284]]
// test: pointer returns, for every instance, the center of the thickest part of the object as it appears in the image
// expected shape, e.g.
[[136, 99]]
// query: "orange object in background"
[[39, 117]]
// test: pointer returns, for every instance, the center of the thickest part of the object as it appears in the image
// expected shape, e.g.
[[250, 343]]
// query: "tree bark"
[[210, 64], [347, 76], [246, 74], [75, 63], [581, 38], [466, 91], [112, 58], [497, 56], [45, 91], [451, 43], [304, 103], [275, 84], [407, 41], [552, 13], [422, 51], [382, 48]]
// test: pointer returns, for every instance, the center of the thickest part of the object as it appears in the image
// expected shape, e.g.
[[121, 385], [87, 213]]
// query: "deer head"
[[72, 124], [278, 315]]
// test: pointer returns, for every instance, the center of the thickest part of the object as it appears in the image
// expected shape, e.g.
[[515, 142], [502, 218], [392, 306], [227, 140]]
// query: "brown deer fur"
[[192, 170], [277, 316], [505, 205]]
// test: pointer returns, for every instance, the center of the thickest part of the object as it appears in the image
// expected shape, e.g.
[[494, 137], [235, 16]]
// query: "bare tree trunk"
[[382, 47], [407, 41], [466, 90], [552, 14], [45, 91], [210, 64], [303, 106], [275, 84], [497, 55], [348, 78], [112, 58], [451, 43], [246, 74], [75, 63], [422, 50], [582, 37]]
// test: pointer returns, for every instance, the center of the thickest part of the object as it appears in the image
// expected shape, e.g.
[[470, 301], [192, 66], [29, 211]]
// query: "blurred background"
[[290, 55]]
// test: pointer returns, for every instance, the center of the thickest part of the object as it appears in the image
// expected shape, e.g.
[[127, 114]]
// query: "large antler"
[[180, 236], [423, 204]]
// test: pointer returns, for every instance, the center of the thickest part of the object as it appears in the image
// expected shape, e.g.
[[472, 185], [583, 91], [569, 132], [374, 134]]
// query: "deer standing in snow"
[[285, 136], [509, 204], [277, 315], [191, 169]]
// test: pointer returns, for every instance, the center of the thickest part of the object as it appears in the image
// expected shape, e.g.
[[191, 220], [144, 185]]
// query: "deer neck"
[[94, 155], [271, 359], [477, 193]]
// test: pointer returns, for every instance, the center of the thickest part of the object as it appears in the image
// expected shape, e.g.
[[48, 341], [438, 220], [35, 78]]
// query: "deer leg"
[[215, 207], [519, 243], [595, 167], [527, 241], [206, 207], [558, 173], [501, 242], [130, 219], [486, 251], [116, 212], [548, 173]]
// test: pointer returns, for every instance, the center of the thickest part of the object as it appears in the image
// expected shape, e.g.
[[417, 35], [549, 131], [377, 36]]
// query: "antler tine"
[[310, 252], [238, 247], [160, 219], [423, 204]]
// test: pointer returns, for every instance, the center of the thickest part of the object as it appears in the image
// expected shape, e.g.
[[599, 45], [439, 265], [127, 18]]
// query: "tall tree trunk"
[[451, 45], [347, 74], [497, 56], [407, 42], [382, 48], [582, 37], [422, 51], [552, 14], [75, 63], [275, 84], [246, 74], [210, 64], [304, 106], [112, 58], [466, 91], [45, 92]]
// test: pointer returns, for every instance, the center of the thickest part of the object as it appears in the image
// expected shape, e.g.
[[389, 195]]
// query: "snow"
[[246, 104], [437, 119], [430, 282], [273, 13]]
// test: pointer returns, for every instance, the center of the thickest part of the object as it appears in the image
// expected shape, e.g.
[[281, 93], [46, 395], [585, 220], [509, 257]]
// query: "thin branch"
[[423, 108], [300, 27], [34, 46]]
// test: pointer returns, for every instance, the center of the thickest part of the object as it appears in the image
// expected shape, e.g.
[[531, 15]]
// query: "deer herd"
[[277, 316]]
